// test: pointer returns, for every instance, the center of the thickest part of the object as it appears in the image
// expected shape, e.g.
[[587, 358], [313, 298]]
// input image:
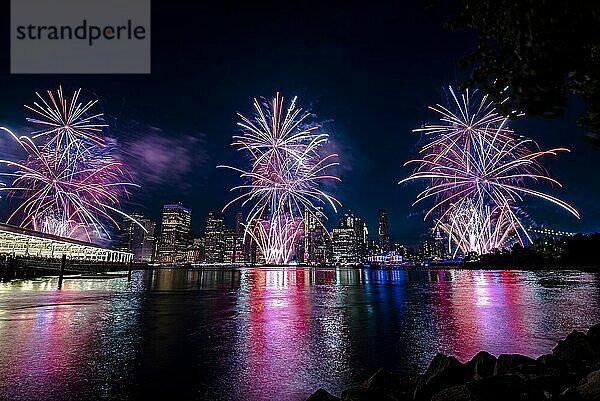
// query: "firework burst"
[[63, 121], [477, 172], [288, 168], [65, 196], [68, 184]]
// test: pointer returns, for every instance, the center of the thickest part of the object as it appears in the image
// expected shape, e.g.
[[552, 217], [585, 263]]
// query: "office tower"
[[349, 241], [383, 231], [239, 224], [214, 238], [241, 248], [314, 247], [195, 253], [440, 247], [434, 246], [234, 247], [175, 233], [229, 246], [344, 245], [139, 238], [147, 253], [362, 237], [251, 252]]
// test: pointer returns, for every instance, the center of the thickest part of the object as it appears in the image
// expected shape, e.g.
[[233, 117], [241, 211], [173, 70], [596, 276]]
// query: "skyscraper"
[[241, 249], [175, 235], [214, 238], [315, 241], [383, 231], [344, 245], [433, 247], [349, 240], [234, 247], [195, 252], [139, 239], [245, 242]]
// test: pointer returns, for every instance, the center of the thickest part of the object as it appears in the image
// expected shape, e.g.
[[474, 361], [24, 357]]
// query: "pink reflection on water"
[[499, 311], [494, 317], [277, 328], [54, 337]]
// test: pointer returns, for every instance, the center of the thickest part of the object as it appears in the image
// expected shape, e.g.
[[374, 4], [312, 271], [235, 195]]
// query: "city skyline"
[[176, 137], [348, 243]]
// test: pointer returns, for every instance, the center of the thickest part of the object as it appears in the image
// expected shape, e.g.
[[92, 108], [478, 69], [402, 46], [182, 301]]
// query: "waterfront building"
[[390, 258], [233, 247], [139, 238], [175, 234], [214, 238], [19, 242], [195, 253]]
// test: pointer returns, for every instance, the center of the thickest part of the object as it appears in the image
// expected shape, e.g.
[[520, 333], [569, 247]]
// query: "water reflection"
[[265, 334], [48, 337]]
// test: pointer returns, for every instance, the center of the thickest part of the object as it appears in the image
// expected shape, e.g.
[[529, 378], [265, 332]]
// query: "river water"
[[258, 334]]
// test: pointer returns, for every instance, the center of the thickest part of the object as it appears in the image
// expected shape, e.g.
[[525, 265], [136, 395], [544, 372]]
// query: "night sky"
[[368, 71]]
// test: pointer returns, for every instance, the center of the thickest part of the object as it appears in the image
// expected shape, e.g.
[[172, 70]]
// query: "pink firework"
[[288, 170], [68, 184], [66, 196], [478, 172]]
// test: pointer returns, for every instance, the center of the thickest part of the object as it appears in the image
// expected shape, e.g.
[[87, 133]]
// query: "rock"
[[589, 387], [456, 393], [549, 361], [574, 348], [546, 360], [506, 362], [391, 384], [549, 381], [492, 388], [365, 394], [527, 369], [563, 375], [443, 372], [507, 387], [382, 378], [322, 395], [594, 332], [593, 336], [482, 365]]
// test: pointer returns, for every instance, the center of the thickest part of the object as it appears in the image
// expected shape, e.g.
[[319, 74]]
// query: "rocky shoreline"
[[570, 373]]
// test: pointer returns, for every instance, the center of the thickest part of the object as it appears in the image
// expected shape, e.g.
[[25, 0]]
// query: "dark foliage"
[[573, 251], [539, 50]]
